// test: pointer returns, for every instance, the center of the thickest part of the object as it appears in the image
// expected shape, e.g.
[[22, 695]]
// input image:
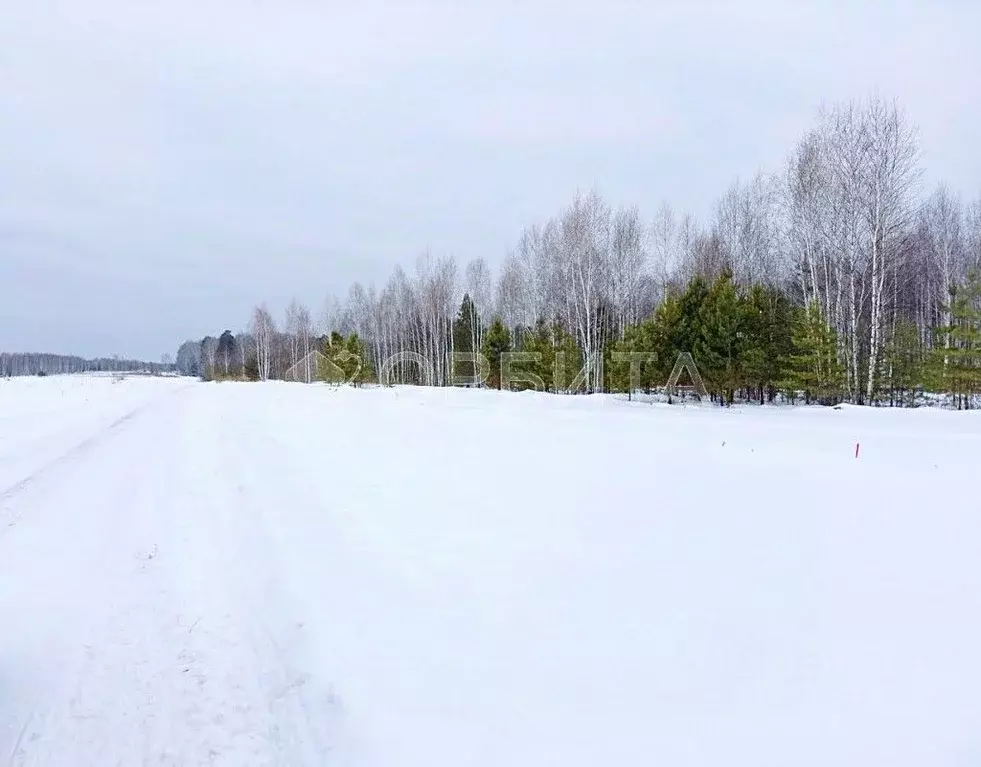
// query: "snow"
[[252, 574]]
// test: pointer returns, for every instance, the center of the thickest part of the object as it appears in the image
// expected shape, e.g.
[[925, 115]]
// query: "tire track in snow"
[[103, 612], [74, 453], [88, 560], [271, 619], [182, 648], [17, 748]]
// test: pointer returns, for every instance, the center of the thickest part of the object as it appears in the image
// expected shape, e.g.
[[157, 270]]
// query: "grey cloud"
[[181, 160]]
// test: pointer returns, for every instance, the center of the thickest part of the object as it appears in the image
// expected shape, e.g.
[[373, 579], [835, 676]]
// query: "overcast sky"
[[165, 165]]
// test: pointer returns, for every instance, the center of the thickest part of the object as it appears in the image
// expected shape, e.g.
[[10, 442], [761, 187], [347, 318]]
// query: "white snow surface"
[[259, 574]]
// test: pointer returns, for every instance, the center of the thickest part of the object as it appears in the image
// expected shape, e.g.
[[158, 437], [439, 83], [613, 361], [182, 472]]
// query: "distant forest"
[[836, 277], [33, 364]]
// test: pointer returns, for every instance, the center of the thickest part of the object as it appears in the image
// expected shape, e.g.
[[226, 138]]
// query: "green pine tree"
[[347, 360], [813, 366], [560, 358], [640, 339], [768, 343], [467, 330], [538, 340], [497, 341], [357, 366], [328, 368], [903, 364], [685, 320], [955, 364], [669, 336], [720, 347]]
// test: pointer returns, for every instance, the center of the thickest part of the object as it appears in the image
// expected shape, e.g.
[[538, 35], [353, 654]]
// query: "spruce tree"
[[719, 348], [466, 332], [497, 341], [813, 366], [903, 364], [768, 344], [226, 355], [539, 341], [686, 324], [346, 360], [357, 365], [560, 358], [956, 358], [639, 339], [668, 335]]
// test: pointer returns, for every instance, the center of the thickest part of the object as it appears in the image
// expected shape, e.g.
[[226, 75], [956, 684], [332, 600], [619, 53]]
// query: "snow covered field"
[[245, 574]]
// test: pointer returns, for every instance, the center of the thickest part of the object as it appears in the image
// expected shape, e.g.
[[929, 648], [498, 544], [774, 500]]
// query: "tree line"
[[37, 364], [836, 277]]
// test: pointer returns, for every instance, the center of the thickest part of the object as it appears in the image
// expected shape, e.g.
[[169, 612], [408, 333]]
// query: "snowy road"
[[247, 574], [133, 630]]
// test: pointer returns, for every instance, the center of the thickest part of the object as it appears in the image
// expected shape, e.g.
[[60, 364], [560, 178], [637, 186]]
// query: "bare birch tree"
[[806, 197], [263, 330], [665, 251], [628, 267], [585, 242], [478, 282], [293, 333], [304, 330], [942, 222], [889, 181], [973, 235]]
